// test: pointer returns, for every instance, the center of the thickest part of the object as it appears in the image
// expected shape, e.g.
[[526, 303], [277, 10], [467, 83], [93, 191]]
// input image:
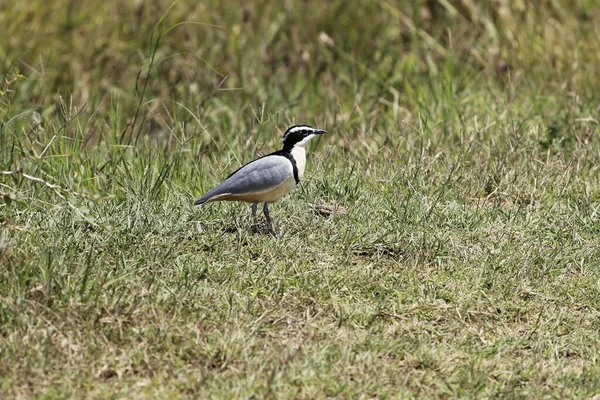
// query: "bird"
[[267, 179]]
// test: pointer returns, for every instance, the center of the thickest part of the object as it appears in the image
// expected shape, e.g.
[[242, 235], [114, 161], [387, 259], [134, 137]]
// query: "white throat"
[[299, 154]]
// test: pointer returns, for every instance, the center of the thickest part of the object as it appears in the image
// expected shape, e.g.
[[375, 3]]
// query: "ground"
[[445, 240]]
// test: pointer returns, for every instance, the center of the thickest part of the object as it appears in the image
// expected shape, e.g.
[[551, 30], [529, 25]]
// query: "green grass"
[[463, 155]]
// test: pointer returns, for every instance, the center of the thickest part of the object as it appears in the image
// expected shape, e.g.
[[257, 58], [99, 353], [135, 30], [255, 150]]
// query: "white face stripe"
[[300, 128], [307, 139]]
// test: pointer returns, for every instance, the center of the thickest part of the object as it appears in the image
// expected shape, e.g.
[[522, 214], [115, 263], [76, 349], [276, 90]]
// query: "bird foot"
[[256, 229]]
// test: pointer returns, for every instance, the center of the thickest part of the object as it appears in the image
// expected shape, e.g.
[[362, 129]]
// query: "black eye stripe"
[[298, 133]]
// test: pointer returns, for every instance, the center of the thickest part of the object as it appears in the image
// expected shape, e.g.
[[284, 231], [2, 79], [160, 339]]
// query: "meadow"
[[444, 243]]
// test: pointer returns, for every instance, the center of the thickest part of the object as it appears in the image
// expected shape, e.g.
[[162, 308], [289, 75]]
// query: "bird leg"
[[270, 221], [255, 226]]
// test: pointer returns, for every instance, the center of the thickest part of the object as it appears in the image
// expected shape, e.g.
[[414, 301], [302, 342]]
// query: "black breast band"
[[289, 156]]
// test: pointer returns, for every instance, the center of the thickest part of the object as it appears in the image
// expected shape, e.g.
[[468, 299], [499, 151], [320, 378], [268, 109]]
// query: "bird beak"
[[320, 131]]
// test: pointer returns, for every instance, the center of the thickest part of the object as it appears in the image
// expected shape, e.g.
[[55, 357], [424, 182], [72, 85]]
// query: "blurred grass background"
[[225, 62], [463, 149]]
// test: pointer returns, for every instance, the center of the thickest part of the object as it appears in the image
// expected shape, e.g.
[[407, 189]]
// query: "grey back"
[[257, 176]]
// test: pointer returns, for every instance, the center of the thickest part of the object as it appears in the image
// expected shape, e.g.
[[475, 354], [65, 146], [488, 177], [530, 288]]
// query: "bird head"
[[299, 136]]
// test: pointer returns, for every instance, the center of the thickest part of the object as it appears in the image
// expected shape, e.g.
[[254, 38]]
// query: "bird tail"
[[212, 195], [202, 200], [207, 198]]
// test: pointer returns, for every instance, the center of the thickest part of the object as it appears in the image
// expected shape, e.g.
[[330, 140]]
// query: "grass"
[[462, 158]]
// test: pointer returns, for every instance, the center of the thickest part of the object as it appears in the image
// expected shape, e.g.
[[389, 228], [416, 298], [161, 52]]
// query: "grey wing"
[[258, 176]]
